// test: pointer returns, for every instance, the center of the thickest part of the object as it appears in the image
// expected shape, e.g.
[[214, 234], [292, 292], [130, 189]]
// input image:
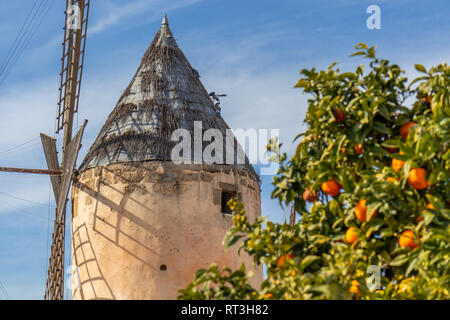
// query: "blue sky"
[[251, 50]]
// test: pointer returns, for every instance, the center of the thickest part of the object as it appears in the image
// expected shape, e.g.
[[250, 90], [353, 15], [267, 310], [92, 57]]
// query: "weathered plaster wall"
[[129, 221]]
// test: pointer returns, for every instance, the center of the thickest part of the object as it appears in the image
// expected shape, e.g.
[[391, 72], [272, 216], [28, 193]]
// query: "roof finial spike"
[[165, 21]]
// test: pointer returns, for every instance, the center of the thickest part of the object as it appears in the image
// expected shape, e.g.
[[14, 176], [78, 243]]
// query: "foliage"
[[312, 260]]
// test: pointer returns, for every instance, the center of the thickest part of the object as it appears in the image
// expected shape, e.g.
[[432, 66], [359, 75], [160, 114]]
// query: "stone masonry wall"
[[141, 230]]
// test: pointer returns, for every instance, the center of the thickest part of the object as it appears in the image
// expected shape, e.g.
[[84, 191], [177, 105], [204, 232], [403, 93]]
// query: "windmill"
[[61, 175]]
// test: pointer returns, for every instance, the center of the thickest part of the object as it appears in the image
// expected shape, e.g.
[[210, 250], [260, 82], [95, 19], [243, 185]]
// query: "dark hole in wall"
[[227, 196], [163, 267]]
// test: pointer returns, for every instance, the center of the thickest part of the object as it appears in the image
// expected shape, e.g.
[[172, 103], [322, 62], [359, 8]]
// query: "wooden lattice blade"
[[55, 277], [51, 156], [54, 289], [74, 45], [68, 167]]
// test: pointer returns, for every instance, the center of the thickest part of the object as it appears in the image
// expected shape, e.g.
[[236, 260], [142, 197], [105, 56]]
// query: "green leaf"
[[307, 261], [384, 112], [334, 207], [372, 207], [283, 185], [347, 181], [381, 127], [371, 52], [406, 169], [417, 80], [411, 266], [233, 240], [359, 53], [301, 83], [391, 143], [361, 45], [332, 66], [337, 222], [420, 68], [399, 260]]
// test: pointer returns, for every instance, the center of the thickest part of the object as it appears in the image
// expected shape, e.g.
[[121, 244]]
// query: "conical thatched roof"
[[165, 94]]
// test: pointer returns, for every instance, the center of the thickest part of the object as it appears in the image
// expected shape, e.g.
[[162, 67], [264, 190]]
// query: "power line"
[[20, 36], [22, 199], [19, 146], [33, 32], [27, 40], [22, 210], [28, 34], [17, 38], [27, 147]]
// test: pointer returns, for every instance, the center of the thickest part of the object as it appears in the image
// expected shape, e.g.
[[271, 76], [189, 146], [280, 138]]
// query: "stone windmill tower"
[[141, 224]]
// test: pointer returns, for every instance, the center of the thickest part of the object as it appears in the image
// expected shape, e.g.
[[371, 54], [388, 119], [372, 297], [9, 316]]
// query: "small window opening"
[[227, 196], [163, 267]]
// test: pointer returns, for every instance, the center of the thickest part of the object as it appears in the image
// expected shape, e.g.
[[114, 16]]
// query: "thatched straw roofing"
[[165, 94]]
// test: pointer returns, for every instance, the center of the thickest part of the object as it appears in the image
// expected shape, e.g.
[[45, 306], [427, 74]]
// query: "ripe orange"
[[309, 196], [361, 210], [331, 187], [398, 164], [404, 129], [427, 99], [268, 296], [354, 288], [391, 179], [416, 178], [338, 114], [359, 148], [343, 150], [406, 240], [282, 259], [351, 235]]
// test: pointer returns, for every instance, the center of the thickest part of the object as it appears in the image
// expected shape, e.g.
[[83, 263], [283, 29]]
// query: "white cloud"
[[120, 13]]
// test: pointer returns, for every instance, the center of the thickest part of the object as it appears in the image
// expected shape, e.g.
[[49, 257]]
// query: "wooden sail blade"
[[69, 92], [69, 166], [55, 276], [54, 288], [72, 62], [32, 171], [51, 156]]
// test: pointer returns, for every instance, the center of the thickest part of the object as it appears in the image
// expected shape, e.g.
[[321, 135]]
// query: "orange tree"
[[370, 181]]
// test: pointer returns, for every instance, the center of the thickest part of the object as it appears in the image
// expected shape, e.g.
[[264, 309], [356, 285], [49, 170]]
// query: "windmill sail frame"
[[55, 276], [74, 46]]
